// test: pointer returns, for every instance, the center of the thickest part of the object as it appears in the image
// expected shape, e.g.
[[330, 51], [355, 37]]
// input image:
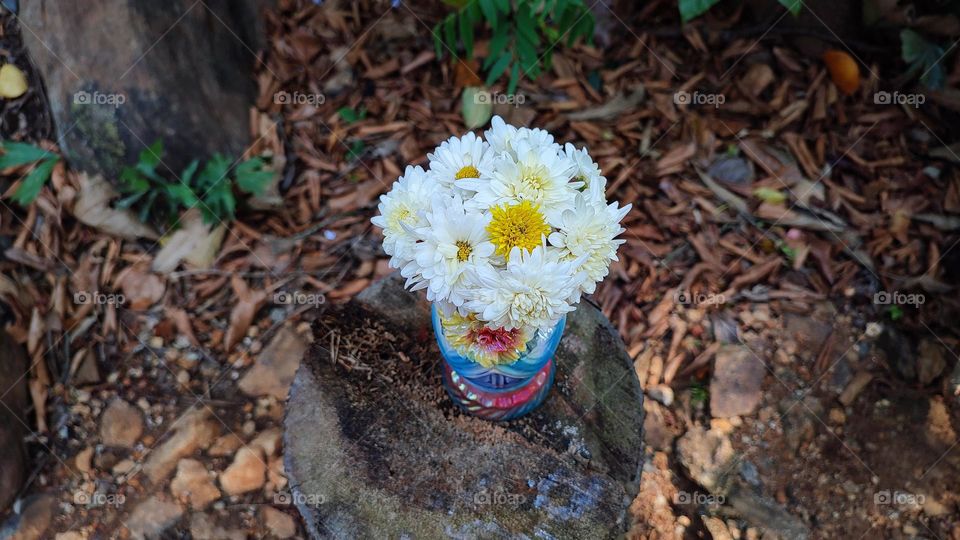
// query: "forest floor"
[[778, 231]]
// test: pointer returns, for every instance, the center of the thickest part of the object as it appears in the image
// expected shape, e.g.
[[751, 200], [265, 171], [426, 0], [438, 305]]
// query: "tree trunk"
[[120, 74], [376, 449], [13, 405]]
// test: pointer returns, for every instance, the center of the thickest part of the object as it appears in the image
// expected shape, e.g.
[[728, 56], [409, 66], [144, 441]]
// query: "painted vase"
[[495, 374]]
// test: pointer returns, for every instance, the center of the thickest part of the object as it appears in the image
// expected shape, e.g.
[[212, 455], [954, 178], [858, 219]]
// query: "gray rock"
[[707, 457], [152, 517], [735, 388], [367, 457]]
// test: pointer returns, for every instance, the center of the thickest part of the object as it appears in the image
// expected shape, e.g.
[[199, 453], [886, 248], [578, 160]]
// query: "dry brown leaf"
[[248, 302], [194, 242], [141, 288], [92, 208]]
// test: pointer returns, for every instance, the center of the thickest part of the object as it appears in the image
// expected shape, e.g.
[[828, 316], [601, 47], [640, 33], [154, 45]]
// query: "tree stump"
[[376, 449], [13, 407], [120, 75]]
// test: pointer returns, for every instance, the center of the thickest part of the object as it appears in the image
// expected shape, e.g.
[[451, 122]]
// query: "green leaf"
[[251, 178], [489, 12], [450, 33], [18, 153], [466, 35], [213, 174], [219, 203], [187, 175], [924, 57], [691, 9], [180, 195], [770, 195], [151, 156], [476, 107], [437, 44], [131, 181], [498, 68], [349, 115], [896, 313], [497, 45], [30, 187], [514, 78], [793, 6]]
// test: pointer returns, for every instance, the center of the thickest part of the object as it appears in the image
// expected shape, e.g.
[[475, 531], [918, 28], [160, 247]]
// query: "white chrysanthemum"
[[401, 212], [538, 175], [460, 157], [587, 171], [453, 240], [588, 234], [537, 138], [501, 135], [532, 291]]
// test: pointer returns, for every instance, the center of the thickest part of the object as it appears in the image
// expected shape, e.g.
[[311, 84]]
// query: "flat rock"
[[121, 424], [204, 526], [276, 366], [193, 484], [152, 517], [374, 448], [32, 523], [706, 455], [191, 432], [735, 388], [246, 473], [277, 523]]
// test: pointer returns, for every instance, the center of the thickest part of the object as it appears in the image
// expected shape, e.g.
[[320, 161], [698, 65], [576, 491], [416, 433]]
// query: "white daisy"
[[537, 138], [460, 157], [539, 176], [588, 234], [500, 136], [586, 171], [453, 240], [533, 290], [401, 212]]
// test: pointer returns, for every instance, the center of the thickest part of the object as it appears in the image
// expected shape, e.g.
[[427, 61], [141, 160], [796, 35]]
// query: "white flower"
[[401, 212], [453, 240], [586, 170], [538, 175], [588, 234], [537, 138], [460, 157], [533, 290], [500, 136]]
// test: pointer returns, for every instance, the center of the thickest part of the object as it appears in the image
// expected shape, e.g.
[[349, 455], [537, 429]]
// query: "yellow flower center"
[[521, 225], [464, 250], [467, 171]]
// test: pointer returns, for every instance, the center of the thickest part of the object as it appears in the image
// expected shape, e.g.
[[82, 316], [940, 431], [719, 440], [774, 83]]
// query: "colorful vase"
[[481, 382]]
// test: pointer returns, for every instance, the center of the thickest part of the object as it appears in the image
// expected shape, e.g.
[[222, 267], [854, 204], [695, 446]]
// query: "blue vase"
[[499, 391]]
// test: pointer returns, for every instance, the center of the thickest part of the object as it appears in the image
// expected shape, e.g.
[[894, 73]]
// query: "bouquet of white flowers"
[[504, 233]]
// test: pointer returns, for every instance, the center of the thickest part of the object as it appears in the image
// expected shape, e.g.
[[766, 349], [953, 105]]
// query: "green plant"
[[523, 33], [923, 57], [691, 9], [159, 199], [17, 154]]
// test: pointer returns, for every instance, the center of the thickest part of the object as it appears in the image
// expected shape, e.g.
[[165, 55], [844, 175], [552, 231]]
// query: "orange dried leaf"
[[843, 70]]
